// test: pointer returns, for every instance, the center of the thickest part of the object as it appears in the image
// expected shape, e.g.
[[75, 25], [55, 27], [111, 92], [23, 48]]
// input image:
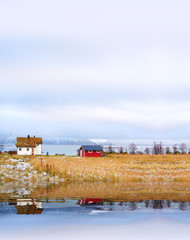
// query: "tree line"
[[157, 148]]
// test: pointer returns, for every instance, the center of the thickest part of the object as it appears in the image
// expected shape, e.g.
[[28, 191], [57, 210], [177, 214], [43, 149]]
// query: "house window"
[[27, 149], [37, 144], [98, 151], [20, 149], [90, 151]]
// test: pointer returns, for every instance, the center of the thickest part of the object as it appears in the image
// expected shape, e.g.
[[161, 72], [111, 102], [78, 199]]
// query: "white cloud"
[[87, 19], [115, 62], [154, 70], [160, 116]]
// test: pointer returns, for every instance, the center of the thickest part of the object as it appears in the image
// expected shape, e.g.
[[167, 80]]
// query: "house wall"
[[38, 150], [82, 153], [90, 201], [24, 151], [92, 154]]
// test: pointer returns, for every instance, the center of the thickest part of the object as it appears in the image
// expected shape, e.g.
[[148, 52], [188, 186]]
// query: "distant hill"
[[52, 141]]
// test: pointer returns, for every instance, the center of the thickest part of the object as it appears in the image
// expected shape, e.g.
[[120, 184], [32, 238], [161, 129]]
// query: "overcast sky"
[[95, 69]]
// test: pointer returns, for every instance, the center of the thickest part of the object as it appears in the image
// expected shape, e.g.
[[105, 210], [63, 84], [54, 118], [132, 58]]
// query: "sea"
[[68, 150], [28, 219], [71, 150]]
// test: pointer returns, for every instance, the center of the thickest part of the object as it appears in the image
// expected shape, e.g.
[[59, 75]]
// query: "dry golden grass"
[[118, 191], [118, 177], [117, 167]]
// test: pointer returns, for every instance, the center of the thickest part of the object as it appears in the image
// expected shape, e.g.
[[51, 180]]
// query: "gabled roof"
[[28, 209], [28, 141], [92, 148]]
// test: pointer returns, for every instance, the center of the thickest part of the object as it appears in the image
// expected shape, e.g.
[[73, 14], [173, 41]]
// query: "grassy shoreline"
[[119, 176], [117, 167]]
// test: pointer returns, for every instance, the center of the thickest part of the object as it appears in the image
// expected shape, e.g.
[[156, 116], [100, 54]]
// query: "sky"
[[95, 69]]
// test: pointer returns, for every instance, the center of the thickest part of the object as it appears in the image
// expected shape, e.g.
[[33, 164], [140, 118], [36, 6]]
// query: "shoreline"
[[119, 176]]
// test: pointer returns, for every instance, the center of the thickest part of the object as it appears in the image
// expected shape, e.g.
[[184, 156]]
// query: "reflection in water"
[[132, 206], [183, 206], [28, 206], [88, 201], [88, 206], [118, 191], [112, 191]]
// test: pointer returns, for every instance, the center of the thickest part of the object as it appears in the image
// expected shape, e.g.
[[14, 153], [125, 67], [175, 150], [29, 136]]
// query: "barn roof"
[[28, 141], [92, 148]]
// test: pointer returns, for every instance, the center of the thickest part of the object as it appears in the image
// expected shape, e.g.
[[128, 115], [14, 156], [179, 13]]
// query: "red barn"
[[90, 151], [90, 201]]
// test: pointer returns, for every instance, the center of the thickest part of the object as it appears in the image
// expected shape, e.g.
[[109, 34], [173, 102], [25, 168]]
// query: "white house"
[[29, 145], [28, 206]]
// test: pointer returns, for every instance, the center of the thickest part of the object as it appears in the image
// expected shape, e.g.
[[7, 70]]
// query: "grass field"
[[120, 177], [117, 167], [116, 176]]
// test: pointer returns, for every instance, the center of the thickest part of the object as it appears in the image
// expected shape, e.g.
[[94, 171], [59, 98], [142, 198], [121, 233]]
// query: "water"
[[69, 150], [93, 218], [91, 211]]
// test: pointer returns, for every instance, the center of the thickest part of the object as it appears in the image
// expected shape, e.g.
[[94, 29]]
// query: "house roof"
[[92, 148], [28, 141], [28, 209]]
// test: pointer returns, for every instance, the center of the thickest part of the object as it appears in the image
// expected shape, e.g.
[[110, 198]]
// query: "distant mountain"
[[51, 141], [113, 142], [7, 141], [66, 141]]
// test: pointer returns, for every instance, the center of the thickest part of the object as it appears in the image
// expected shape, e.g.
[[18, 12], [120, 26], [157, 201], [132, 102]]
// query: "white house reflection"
[[87, 206], [28, 206]]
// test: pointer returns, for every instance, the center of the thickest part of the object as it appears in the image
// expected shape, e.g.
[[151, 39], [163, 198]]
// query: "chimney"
[[28, 136]]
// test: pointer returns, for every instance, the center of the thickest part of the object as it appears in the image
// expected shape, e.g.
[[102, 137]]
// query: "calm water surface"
[[40, 218], [68, 150]]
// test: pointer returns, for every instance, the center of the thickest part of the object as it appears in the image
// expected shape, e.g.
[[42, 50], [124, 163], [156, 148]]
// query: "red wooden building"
[[90, 151], [90, 201]]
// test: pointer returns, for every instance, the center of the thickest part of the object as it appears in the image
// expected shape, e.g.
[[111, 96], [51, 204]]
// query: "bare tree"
[[132, 148], [183, 148], [168, 151], [175, 149], [147, 151], [157, 148], [110, 149], [125, 150], [1, 148], [121, 149]]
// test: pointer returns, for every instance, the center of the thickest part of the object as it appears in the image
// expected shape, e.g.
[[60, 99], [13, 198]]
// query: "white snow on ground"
[[21, 172]]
